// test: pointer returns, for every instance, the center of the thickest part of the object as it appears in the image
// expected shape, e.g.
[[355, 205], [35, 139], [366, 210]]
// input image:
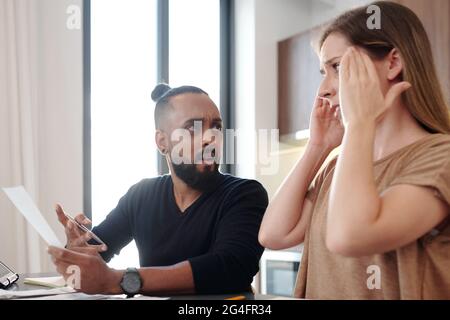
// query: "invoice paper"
[[26, 206]]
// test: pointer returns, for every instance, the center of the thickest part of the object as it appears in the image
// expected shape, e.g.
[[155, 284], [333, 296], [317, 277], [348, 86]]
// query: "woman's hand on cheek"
[[326, 128], [361, 98]]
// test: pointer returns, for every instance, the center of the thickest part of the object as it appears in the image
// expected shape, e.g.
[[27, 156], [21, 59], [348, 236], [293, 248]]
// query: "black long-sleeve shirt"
[[217, 234]]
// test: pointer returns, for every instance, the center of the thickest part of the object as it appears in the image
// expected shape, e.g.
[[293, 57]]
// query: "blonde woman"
[[375, 221]]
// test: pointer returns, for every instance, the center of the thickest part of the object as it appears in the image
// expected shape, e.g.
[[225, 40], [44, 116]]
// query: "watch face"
[[131, 282]]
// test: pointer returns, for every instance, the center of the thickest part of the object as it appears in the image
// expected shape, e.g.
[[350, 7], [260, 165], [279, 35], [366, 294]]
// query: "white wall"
[[260, 24], [61, 101], [58, 135]]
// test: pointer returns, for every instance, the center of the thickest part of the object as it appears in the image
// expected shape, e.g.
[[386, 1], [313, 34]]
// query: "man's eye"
[[218, 127]]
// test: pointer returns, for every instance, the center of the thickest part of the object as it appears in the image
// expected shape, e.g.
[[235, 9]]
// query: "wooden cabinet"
[[298, 81]]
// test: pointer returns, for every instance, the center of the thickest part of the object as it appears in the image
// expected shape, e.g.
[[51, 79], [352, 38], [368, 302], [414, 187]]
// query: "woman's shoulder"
[[435, 147], [438, 139], [424, 160]]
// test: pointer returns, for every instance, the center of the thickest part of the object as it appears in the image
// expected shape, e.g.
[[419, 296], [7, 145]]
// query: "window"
[[194, 45], [124, 64]]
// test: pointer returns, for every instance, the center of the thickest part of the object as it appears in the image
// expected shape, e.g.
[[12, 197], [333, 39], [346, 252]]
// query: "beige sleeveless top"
[[420, 270]]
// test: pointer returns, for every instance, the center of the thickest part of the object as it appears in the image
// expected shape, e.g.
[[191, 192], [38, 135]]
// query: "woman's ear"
[[161, 142], [395, 64]]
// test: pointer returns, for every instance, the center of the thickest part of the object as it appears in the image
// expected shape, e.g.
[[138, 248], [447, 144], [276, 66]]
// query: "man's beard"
[[201, 181]]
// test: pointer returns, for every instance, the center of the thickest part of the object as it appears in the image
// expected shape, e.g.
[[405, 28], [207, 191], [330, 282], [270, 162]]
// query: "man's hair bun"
[[159, 91]]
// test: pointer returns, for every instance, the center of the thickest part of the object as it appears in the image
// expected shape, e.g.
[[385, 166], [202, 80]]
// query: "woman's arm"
[[287, 216], [361, 221], [284, 223]]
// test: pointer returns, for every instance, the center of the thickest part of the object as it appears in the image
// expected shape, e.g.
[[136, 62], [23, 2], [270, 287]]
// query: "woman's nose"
[[327, 89]]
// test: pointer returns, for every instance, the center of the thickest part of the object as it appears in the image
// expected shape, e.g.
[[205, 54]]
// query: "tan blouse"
[[420, 270]]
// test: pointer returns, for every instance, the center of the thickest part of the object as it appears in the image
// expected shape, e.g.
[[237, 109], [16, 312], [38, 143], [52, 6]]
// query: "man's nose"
[[209, 139]]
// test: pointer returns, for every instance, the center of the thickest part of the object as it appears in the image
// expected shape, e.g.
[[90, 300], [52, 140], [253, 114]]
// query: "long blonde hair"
[[403, 30]]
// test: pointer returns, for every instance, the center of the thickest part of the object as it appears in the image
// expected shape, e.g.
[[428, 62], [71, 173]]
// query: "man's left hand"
[[95, 276]]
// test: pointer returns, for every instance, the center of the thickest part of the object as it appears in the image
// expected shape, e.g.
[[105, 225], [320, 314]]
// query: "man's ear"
[[395, 64], [162, 142]]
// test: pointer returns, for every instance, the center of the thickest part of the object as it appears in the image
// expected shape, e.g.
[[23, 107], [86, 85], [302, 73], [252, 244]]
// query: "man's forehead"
[[194, 106]]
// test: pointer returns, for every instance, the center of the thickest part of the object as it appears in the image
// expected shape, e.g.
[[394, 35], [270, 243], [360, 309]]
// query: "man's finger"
[[65, 255], [90, 250], [82, 219], [61, 215], [73, 230], [79, 242], [61, 268]]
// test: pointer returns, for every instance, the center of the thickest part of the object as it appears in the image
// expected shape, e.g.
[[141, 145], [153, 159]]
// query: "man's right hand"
[[75, 236]]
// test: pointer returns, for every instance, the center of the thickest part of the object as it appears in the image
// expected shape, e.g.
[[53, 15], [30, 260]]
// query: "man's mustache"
[[207, 153]]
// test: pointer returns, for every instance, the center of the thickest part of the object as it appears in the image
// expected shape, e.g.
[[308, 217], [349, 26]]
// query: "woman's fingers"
[[320, 103], [354, 71], [344, 70], [338, 114], [395, 92], [370, 66], [361, 65], [330, 108]]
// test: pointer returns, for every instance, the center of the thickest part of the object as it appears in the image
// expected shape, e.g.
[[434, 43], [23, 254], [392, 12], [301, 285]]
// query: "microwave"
[[279, 271]]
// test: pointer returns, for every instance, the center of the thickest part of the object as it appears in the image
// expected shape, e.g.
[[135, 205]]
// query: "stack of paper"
[[50, 282], [11, 294]]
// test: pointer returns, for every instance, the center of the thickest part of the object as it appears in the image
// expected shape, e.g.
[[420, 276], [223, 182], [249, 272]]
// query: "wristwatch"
[[131, 282]]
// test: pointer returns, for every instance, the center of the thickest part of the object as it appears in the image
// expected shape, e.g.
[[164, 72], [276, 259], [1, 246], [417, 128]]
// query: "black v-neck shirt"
[[217, 234]]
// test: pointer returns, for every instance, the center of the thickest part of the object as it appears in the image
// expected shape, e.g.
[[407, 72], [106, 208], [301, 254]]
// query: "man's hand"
[[95, 276], [75, 236]]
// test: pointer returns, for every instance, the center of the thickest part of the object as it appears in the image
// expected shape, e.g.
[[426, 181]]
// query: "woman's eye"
[[336, 67]]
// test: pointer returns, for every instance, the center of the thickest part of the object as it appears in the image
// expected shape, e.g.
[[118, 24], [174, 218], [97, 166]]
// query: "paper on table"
[[148, 298], [23, 202], [51, 282], [11, 294], [72, 296]]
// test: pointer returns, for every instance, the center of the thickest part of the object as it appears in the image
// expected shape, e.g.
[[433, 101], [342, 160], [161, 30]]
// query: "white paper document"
[[23, 202], [50, 282], [11, 294]]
